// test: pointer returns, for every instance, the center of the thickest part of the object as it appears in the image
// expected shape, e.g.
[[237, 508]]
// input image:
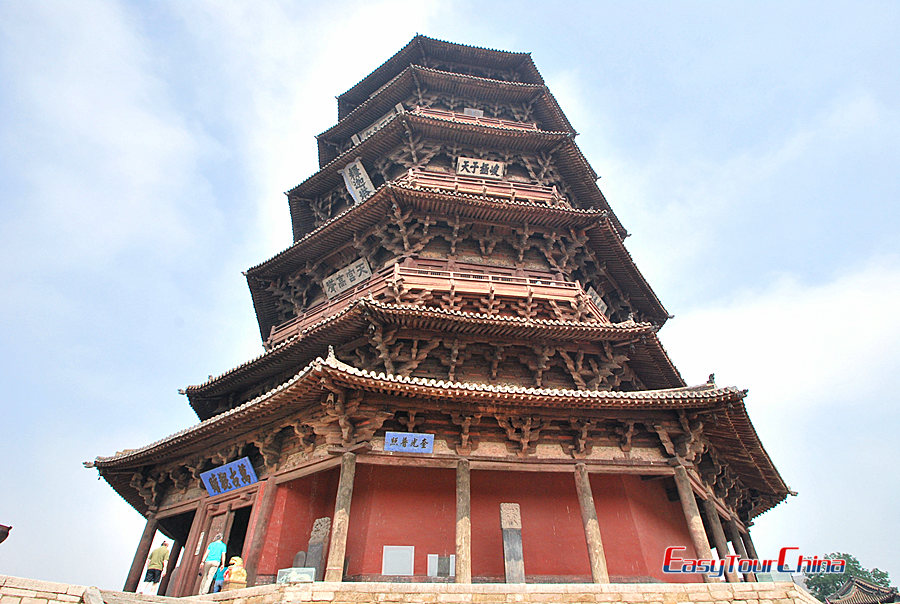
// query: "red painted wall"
[[400, 506], [297, 505], [659, 524], [637, 523], [553, 542]]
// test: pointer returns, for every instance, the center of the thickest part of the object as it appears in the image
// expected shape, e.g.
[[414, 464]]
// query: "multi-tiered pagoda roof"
[[455, 270]]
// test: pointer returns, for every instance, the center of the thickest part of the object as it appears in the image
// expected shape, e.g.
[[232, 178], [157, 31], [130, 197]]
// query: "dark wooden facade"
[[503, 315]]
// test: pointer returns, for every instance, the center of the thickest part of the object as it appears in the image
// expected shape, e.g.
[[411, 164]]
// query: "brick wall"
[[14, 590]]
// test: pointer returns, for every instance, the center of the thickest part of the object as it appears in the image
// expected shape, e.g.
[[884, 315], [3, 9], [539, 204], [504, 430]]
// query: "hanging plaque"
[[597, 300], [480, 168], [357, 181], [349, 276], [378, 125], [231, 476], [408, 442]]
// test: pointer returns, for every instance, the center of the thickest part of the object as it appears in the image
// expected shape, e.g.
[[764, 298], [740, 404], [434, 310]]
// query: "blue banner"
[[408, 442], [234, 475]]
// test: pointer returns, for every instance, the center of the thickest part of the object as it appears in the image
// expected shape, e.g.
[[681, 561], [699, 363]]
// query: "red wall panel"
[[400, 506], [297, 505], [659, 524], [553, 543]]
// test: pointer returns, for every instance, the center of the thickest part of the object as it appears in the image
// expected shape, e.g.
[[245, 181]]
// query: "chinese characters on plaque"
[[473, 112], [357, 181], [378, 125], [480, 168], [408, 442], [350, 276], [597, 300], [229, 477]]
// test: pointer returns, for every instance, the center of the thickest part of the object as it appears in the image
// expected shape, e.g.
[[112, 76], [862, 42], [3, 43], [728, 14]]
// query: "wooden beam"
[[140, 554], [170, 567], [334, 569], [734, 535], [463, 522], [718, 535], [692, 515], [263, 505], [599, 571], [748, 543]]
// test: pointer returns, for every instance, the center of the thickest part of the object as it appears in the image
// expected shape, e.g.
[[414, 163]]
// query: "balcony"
[[435, 281], [462, 118], [503, 189]]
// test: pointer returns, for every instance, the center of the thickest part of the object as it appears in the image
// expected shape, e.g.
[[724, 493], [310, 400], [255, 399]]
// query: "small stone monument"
[[318, 546], [511, 525]]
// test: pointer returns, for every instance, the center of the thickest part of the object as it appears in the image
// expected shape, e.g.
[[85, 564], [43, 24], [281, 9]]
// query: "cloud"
[[796, 345], [820, 363], [98, 160]]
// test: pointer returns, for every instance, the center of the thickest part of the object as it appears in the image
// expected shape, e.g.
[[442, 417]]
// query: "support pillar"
[[748, 543], [170, 568], [463, 522], [734, 535], [140, 555], [718, 534], [599, 571], [334, 569], [265, 501], [692, 515]]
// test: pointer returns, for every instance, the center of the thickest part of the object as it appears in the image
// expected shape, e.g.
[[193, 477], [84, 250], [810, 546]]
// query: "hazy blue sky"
[[750, 148]]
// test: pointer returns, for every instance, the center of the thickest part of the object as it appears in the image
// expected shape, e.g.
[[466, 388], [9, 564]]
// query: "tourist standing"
[[214, 558]]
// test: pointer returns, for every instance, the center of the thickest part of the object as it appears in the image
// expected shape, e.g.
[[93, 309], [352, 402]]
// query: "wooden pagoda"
[[456, 276]]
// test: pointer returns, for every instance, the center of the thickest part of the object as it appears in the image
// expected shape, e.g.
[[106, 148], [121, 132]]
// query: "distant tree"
[[822, 585]]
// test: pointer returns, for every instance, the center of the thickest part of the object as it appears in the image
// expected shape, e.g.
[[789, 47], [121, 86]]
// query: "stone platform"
[[15, 590]]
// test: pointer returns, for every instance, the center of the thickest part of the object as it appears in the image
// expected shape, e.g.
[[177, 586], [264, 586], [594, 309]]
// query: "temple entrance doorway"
[[177, 528], [237, 532]]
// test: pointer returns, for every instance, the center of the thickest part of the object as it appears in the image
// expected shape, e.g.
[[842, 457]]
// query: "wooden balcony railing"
[[471, 119], [504, 189], [435, 280]]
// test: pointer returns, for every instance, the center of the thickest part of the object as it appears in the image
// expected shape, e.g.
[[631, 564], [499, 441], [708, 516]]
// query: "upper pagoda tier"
[[434, 140], [445, 56], [510, 103]]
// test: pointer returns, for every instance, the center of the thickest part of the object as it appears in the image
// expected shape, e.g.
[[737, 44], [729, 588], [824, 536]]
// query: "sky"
[[750, 148]]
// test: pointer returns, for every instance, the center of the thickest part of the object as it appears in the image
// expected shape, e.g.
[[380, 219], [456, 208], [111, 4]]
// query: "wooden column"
[[718, 535], [463, 522], [692, 515], [734, 535], [596, 555], [187, 574], [334, 569], [170, 568], [748, 543], [140, 555], [265, 501]]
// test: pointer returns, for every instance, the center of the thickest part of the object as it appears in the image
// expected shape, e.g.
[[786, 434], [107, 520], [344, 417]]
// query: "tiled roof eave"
[[341, 373], [353, 121], [618, 331], [549, 138], [407, 55]]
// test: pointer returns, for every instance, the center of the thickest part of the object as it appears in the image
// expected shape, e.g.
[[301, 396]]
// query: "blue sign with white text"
[[231, 476], [408, 442]]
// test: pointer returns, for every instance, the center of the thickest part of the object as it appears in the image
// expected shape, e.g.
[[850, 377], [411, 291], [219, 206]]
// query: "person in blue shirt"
[[219, 580], [212, 560]]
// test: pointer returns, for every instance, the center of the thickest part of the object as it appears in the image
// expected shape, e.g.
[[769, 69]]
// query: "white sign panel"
[[378, 125], [349, 276], [597, 300], [473, 112], [357, 180], [480, 168]]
